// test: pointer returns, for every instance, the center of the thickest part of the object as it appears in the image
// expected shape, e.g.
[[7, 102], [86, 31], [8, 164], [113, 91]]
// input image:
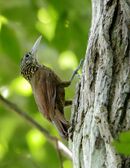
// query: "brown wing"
[[44, 89], [45, 92]]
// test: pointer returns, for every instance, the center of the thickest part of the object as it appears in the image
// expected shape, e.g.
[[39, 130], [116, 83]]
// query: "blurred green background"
[[64, 26]]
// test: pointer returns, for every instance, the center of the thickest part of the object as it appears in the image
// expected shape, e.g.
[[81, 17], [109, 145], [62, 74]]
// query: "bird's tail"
[[61, 124]]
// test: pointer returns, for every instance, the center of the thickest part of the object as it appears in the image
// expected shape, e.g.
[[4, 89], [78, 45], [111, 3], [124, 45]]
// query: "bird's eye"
[[27, 55]]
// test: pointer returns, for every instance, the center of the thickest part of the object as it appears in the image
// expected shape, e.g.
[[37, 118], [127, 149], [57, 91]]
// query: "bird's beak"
[[35, 46]]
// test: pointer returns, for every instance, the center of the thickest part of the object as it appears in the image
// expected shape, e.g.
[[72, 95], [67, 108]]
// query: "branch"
[[24, 115]]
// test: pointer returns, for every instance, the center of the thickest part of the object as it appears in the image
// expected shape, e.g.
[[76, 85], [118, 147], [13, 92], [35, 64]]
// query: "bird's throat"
[[29, 71]]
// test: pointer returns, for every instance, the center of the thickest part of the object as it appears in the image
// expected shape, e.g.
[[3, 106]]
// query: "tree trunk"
[[101, 109]]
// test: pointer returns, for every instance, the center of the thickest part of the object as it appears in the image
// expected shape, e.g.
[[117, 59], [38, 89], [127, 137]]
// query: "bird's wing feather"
[[51, 94], [45, 95], [45, 89]]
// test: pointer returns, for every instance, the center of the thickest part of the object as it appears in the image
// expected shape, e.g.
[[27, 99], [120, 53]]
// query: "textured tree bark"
[[101, 109]]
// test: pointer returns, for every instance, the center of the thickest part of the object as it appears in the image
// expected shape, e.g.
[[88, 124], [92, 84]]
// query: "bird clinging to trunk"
[[48, 89]]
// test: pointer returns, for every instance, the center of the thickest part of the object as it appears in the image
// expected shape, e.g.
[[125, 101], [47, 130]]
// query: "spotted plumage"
[[48, 90]]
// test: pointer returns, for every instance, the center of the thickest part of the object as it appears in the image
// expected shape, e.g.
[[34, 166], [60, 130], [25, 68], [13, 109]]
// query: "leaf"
[[122, 145]]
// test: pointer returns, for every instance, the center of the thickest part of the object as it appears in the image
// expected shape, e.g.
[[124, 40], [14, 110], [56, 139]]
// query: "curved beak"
[[36, 45]]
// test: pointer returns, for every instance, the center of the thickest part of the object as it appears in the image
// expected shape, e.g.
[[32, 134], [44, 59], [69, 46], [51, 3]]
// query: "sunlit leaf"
[[35, 142], [67, 59], [122, 145], [47, 22], [3, 150], [3, 20], [4, 91], [21, 86]]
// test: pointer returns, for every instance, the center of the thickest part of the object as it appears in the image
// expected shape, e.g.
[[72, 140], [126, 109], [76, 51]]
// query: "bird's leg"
[[68, 102], [67, 83], [76, 70]]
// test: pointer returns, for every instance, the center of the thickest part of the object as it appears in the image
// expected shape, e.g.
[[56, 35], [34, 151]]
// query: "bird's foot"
[[76, 70]]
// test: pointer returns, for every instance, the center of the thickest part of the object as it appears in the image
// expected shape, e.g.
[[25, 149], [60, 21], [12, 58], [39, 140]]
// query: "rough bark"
[[101, 109]]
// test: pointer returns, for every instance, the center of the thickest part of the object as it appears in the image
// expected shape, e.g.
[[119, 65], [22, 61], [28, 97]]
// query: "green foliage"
[[64, 26], [122, 145]]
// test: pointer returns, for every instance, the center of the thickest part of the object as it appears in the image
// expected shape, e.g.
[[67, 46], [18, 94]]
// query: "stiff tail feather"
[[61, 124]]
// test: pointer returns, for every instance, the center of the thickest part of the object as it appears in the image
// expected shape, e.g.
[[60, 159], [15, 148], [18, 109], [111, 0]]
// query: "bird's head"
[[30, 57]]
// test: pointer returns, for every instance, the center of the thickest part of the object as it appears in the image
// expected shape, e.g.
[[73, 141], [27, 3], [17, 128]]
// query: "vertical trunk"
[[101, 107]]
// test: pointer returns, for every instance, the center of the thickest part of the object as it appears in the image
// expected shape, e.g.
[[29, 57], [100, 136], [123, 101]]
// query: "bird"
[[48, 89]]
